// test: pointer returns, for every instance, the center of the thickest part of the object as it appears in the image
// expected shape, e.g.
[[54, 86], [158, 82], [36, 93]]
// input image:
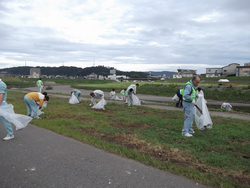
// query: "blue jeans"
[[31, 106], [189, 117], [6, 123], [78, 95]]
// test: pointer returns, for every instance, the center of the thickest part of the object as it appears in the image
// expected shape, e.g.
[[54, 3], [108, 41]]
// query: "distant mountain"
[[73, 71], [167, 73]]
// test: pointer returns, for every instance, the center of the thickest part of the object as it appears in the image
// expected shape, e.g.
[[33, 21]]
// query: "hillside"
[[72, 71]]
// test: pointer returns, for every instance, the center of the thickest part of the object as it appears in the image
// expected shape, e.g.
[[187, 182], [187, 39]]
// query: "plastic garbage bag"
[[203, 121], [117, 98], [226, 106], [39, 112], [136, 100], [73, 99], [20, 121], [100, 104], [175, 98]]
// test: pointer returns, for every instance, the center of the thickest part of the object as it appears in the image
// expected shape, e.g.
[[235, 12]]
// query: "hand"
[[90, 104], [40, 107], [193, 102]]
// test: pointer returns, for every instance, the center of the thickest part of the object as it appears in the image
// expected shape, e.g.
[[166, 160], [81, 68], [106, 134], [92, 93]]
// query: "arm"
[[40, 104]]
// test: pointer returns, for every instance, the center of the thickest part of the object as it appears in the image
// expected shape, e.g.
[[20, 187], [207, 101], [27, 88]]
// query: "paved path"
[[39, 158]]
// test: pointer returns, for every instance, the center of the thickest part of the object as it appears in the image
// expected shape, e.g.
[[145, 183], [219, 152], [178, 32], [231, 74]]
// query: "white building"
[[185, 73], [230, 70], [214, 72], [35, 73]]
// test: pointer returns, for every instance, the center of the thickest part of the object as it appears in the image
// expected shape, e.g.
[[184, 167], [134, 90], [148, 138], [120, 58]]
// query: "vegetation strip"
[[218, 157]]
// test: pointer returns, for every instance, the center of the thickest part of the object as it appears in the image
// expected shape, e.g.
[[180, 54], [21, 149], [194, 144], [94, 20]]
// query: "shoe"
[[38, 118], [191, 132], [8, 138], [187, 135]]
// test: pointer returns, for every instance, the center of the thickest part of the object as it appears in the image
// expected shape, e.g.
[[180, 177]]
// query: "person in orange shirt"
[[31, 100]]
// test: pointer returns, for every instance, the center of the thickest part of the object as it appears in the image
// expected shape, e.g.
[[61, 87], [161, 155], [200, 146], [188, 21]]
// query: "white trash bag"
[[39, 112], [136, 101], [175, 98], [73, 99], [203, 121], [117, 98], [100, 104], [20, 121]]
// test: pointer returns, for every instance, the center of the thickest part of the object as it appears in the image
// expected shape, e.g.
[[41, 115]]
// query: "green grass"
[[160, 88], [169, 90], [31, 82], [218, 157]]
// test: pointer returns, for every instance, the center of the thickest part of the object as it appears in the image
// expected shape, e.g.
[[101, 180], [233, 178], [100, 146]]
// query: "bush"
[[49, 88]]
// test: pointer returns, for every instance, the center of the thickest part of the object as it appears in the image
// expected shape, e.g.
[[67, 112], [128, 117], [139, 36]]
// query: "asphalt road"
[[39, 158]]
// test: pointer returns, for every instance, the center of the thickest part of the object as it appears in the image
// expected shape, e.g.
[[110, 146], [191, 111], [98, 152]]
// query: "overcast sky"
[[130, 35]]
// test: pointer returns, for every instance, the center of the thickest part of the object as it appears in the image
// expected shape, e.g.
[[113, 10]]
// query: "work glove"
[[193, 102]]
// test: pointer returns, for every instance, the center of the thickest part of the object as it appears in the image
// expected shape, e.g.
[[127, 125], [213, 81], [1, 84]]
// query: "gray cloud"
[[167, 34]]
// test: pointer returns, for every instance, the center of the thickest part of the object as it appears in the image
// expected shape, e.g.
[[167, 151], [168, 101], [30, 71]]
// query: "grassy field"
[[160, 88], [31, 82], [218, 157], [169, 90]]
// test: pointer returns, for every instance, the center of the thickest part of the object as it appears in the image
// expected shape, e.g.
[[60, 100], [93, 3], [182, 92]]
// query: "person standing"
[[189, 96], [77, 93], [179, 93], [39, 84], [31, 100], [123, 92], [131, 90], [3, 96]]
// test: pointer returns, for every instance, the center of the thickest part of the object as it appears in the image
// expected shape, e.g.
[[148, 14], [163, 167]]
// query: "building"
[[35, 72], [230, 70], [185, 73], [243, 70], [5, 74], [92, 76], [214, 72], [246, 64]]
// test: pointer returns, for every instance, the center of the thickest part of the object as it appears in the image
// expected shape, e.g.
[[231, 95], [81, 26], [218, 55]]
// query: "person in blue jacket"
[[3, 96], [189, 96]]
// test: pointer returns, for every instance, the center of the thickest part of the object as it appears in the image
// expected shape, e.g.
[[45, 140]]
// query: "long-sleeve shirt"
[[3, 89], [132, 86], [98, 94], [36, 96], [187, 91]]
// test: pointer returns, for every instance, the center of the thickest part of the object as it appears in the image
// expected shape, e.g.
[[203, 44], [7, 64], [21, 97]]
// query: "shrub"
[[49, 88]]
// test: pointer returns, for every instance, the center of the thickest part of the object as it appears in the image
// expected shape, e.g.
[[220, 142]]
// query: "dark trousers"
[[179, 103]]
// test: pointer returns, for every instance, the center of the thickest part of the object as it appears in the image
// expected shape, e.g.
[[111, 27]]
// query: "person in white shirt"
[[131, 90], [97, 94], [112, 94]]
